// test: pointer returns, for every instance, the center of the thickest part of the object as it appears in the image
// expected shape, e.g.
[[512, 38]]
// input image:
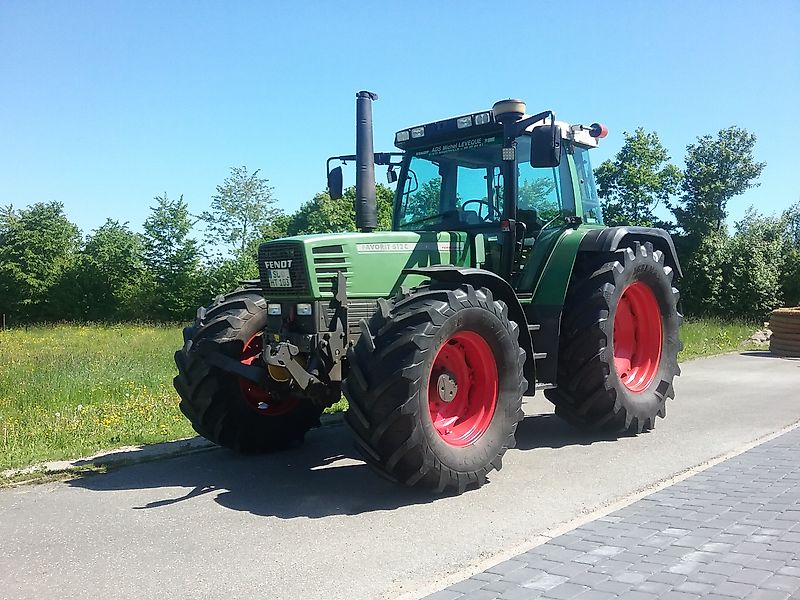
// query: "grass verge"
[[71, 390], [68, 391], [707, 337]]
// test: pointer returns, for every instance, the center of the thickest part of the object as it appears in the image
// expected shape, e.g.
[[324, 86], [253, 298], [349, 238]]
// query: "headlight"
[[274, 309], [303, 310], [402, 136], [482, 119], [418, 132], [464, 122]]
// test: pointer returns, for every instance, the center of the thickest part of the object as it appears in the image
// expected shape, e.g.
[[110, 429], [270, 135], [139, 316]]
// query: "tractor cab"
[[457, 174]]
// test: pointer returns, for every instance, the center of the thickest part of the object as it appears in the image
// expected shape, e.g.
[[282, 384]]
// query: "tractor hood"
[[307, 266]]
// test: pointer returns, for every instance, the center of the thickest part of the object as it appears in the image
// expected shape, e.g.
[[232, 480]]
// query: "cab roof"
[[477, 124]]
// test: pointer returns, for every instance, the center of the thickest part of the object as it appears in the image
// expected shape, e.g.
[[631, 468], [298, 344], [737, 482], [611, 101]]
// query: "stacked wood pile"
[[785, 326]]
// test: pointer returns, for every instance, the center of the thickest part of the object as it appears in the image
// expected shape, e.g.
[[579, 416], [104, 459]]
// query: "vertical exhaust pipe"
[[366, 207]]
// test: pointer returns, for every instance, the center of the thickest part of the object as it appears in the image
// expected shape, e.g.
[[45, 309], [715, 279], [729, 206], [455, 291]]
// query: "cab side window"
[[589, 199], [542, 195]]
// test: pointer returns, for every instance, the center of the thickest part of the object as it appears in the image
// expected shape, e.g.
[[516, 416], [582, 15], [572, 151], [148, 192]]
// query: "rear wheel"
[[226, 409], [435, 387], [619, 344]]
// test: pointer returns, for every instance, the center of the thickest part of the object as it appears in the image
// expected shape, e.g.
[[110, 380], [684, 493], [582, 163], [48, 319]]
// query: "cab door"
[[545, 198]]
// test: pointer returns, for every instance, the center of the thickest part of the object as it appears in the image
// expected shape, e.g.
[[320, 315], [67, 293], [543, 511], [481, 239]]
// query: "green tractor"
[[497, 280]]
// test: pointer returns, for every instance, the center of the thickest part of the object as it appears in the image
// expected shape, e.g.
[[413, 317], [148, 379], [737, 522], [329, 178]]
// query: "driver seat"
[[530, 217]]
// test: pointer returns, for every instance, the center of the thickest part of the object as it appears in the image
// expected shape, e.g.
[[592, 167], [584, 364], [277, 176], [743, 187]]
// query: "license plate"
[[279, 278]]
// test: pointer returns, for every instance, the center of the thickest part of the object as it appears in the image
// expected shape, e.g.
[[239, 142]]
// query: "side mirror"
[[546, 146], [335, 183], [391, 175]]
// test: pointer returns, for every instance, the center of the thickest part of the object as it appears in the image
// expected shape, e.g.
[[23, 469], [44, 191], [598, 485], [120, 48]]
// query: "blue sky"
[[104, 105]]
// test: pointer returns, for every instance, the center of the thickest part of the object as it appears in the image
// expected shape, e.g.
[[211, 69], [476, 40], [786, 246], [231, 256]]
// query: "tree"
[[37, 245], [241, 208], [640, 176], [717, 169], [790, 273], [423, 203], [7, 215], [747, 274], [703, 274], [277, 228], [324, 215], [224, 276], [751, 285], [172, 259], [109, 274], [537, 194]]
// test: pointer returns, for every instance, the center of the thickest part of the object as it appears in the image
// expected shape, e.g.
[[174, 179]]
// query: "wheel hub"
[[447, 386], [463, 389], [637, 337]]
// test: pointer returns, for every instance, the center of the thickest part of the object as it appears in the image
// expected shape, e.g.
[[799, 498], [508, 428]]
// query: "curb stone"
[[128, 455]]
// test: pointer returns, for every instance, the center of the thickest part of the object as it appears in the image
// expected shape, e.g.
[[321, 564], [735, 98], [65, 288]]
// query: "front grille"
[[284, 251], [328, 262], [357, 309]]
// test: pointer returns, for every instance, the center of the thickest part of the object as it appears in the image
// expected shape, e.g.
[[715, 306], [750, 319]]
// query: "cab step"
[[545, 386]]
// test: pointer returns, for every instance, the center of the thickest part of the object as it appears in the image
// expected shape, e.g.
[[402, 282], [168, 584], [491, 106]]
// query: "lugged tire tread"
[[388, 434], [585, 395], [209, 396]]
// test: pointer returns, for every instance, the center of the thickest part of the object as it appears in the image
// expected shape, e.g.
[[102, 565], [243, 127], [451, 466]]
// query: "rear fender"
[[611, 239], [501, 290]]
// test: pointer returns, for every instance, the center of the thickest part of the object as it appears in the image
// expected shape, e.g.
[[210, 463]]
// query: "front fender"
[[501, 290]]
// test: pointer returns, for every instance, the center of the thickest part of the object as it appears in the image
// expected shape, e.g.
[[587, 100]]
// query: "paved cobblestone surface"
[[731, 531]]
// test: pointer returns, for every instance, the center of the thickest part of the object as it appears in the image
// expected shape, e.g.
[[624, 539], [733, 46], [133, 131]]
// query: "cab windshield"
[[452, 184], [460, 186]]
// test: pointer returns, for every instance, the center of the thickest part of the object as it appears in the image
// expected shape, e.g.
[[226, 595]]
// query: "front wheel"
[[435, 387], [228, 410], [619, 343]]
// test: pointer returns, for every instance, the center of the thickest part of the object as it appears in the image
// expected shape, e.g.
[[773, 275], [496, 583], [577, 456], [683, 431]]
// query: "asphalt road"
[[316, 523]]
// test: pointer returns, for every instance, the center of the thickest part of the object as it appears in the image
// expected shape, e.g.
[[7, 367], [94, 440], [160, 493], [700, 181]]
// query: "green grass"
[[68, 391], [706, 337]]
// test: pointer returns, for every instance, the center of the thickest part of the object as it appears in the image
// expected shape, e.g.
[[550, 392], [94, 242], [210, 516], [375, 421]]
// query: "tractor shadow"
[[549, 431], [322, 478]]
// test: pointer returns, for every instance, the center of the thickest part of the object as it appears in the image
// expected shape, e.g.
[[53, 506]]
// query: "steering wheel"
[[490, 210]]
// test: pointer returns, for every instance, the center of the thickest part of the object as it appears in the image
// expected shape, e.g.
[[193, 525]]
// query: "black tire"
[[213, 400], [387, 386], [590, 391]]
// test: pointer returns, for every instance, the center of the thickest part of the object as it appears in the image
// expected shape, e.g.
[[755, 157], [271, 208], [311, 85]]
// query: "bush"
[[746, 275], [790, 278], [703, 276], [754, 259], [790, 274], [224, 277]]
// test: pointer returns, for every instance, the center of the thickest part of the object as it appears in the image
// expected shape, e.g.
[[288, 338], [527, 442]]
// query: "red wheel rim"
[[257, 398], [637, 337], [465, 364]]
